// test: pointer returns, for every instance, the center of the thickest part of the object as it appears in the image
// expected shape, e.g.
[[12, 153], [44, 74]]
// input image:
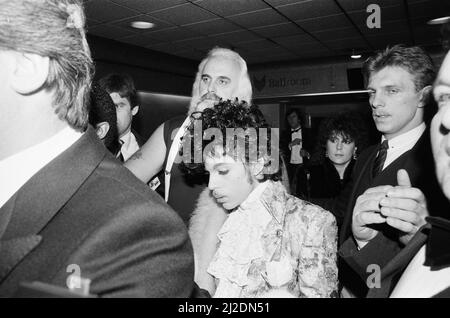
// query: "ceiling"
[[266, 30]]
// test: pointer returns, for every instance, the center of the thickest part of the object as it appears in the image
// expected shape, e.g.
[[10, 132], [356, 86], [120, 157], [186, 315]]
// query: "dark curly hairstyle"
[[241, 132], [102, 109], [349, 125]]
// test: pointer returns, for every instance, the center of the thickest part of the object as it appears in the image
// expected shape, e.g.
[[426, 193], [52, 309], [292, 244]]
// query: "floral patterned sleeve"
[[317, 260]]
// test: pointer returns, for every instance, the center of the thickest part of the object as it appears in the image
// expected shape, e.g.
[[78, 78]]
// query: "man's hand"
[[296, 141], [304, 153], [404, 207], [367, 212]]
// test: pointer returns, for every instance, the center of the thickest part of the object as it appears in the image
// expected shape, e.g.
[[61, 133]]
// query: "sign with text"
[[299, 80]]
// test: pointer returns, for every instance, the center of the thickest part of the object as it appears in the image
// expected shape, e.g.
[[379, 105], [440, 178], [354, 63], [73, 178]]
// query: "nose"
[[376, 100], [212, 184], [339, 145], [212, 87], [446, 117]]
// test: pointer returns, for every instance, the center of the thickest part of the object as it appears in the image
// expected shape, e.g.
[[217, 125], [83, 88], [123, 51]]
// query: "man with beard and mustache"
[[399, 82], [222, 74]]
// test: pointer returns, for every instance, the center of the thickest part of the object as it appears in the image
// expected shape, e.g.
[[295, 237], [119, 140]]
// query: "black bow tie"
[[438, 244]]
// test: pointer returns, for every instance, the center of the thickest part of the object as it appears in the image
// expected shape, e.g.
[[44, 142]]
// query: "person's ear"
[[135, 110], [102, 129], [257, 168], [30, 72], [424, 96]]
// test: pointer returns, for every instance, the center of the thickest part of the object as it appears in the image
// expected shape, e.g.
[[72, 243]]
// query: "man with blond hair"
[[72, 220]]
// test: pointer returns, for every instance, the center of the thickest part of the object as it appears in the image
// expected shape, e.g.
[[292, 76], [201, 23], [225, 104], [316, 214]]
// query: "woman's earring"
[[354, 154], [326, 154]]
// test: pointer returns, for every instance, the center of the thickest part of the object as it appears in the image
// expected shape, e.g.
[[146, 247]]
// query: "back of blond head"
[[244, 92], [53, 28]]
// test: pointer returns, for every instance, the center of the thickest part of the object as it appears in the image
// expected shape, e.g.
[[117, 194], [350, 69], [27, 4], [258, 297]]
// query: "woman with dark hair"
[[340, 141], [253, 239]]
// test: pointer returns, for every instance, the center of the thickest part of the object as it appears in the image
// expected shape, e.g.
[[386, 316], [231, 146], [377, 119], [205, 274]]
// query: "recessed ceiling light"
[[441, 20], [355, 56], [142, 25]]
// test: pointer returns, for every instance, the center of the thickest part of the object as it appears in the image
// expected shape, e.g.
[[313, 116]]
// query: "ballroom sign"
[[299, 80]]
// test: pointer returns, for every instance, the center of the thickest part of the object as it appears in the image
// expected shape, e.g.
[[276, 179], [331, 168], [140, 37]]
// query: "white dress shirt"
[[402, 143], [129, 145], [419, 281], [17, 169], [295, 150]]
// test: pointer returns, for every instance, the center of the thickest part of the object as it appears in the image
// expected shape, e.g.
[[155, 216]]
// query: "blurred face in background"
[[440, 127], [293, 120], [340, 149], [124, 112], [229, 180]]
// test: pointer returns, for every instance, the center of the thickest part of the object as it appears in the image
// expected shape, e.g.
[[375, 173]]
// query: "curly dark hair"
[[102, 109], [247, 137], [349, 125]]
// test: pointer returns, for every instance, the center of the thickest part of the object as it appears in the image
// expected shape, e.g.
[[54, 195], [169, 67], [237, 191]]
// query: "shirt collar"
[[125, 139], [254, 196], [17, 169], [405, 138]]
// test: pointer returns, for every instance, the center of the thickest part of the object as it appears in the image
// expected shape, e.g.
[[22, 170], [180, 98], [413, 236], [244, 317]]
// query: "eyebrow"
[[220, 77], [225, 78], [218, 165]]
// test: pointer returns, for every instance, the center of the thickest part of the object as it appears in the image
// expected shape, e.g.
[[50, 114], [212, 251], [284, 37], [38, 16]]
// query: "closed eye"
[[443, 130]]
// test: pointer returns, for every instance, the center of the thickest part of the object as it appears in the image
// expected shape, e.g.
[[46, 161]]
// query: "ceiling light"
[[441, 20], [355, 55], [142, 25]]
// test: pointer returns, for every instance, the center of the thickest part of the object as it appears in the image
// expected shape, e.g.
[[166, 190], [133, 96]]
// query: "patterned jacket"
[[295, 255]]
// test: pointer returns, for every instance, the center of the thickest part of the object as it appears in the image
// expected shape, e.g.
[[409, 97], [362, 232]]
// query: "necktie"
[[120, 155], [381, 158]]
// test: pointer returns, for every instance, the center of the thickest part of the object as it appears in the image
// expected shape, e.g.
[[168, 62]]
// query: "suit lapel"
[[47, 191], [398, 264], [365, 164], [39, 200]]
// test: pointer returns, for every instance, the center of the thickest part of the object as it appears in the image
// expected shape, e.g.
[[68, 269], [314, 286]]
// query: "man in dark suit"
[[70, 215], [295, 145], [399, 83], [124, 95], [422, 267]]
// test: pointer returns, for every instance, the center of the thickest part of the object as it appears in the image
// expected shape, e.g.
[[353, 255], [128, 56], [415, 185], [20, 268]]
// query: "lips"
[[221, 199], [380, 115]]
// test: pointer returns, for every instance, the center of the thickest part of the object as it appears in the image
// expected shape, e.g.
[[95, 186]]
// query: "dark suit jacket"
[[84, 208], [392, 266], [419, 164]]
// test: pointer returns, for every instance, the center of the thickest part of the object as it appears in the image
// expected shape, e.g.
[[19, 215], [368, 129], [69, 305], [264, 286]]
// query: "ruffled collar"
[[241, 238]]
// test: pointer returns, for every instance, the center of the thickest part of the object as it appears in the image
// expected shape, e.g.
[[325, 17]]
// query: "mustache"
[[210, 96]]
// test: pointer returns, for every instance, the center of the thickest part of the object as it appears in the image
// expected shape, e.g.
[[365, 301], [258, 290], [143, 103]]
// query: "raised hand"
[[404, 207]]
